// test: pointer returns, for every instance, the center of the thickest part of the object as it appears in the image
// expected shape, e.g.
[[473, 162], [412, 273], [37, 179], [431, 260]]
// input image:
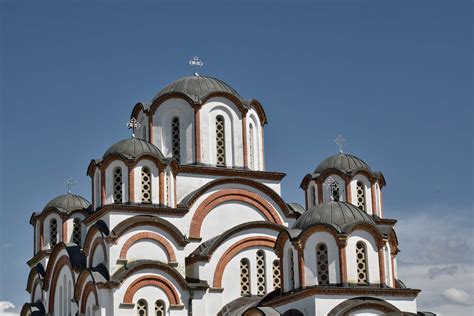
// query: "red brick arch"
[[148, 236], [260, 241], [89, 288], [225, 195], [63, 261], [152, 280]]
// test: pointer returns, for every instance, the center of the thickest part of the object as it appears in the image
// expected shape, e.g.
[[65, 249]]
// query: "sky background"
[[394, 77]]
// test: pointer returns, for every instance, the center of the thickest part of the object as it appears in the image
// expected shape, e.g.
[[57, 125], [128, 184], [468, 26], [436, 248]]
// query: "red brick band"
[[89, 288], [63, 261], [152, 280], [148, 236], [381, 265]]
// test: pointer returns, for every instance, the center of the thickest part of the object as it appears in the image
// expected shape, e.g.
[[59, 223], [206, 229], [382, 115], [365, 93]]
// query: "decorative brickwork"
[[152, 280], [148, 236]]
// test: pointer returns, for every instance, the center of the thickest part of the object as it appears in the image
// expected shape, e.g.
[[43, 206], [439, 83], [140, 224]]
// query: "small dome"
[[337, 214], [197, 87], [132, 148], [68, 203], [343, 162]]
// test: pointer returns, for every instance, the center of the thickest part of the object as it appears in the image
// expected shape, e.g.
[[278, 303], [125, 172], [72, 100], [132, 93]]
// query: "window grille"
[[261, 284], [276, 274], [141, 308], [118, 185], [244, 277], [53, 232], [322, 262], [251, 146], [159, 308], [175, 139], [76, 231], [360, 195], [361, 257], [291, 263], [220, 141], [146, 185]]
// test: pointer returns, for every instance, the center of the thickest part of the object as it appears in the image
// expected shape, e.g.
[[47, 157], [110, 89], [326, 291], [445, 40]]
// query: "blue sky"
[[394, 77]]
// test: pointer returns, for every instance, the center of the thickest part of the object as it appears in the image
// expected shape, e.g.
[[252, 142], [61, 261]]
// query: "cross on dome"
[[196, 62], [329, 184], [340, 141], [69, 182], [133, 124]]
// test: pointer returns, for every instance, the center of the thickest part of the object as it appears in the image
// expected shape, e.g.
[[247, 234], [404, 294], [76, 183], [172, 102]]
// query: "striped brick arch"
[[225, 195], [246, 243], [152, 280], [149, 236]]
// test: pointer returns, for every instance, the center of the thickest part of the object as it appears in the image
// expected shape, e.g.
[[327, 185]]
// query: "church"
[[184, 219]]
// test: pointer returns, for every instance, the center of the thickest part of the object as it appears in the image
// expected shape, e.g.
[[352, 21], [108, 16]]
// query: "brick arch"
[[148, 236], [97, 242], [261, 241], [152, 280], [225, 195], [89, 288], [63, 261]]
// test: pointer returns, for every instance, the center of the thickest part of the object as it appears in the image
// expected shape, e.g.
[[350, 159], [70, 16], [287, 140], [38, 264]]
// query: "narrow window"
[[53, 232], [291, 263], [244, 277], [175, 139], [141, 308], [251, 147], [276, 274], [360, 195], [322, 262], [335, 191], [220, 141], [118, 185], [159, 308], [361, 257], [76, 231], [261, 284], [313, 196], [146, 185]]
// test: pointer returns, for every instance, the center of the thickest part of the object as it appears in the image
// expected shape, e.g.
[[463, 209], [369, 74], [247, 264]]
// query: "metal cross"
[[69, 182], [133, 124], [329, 184], [195, 61], [340, 141]]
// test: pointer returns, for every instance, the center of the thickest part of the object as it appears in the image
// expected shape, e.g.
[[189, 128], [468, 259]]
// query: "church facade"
[[183, 219]]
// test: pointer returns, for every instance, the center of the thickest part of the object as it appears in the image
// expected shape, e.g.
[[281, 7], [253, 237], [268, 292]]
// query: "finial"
[[133, 124], [69, 182], [195, 61], [340, 141]]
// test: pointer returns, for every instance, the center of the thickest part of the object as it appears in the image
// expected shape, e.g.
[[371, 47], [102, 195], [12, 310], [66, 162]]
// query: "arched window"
[[261, 284], [175, 139], [160, 308], [146, 185], [97, 190], [291, 268], [220, 141], [251, 147], [118, 185], [276, 274], [53, 232], [322, 262], [313, 195], [141, 308], [76, 231], [244, 277], [335, 191], [361, 260], [360, 195]]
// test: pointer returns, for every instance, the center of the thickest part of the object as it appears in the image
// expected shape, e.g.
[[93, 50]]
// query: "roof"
[[340, 215], [197, 87], [132, 148], [343, 162], [68, 203]]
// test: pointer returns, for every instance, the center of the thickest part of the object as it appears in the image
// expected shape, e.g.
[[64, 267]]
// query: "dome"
[[68, 203], [132, 148], [198, 87], [337, 214], [343, 162]]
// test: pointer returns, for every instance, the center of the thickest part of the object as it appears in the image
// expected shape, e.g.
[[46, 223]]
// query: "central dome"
[[198, 87], [340, 215], [133, 148], [343, 162], [68, 203]]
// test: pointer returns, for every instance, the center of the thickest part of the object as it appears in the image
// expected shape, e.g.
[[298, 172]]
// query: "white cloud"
[[4, 306], [457, 296]]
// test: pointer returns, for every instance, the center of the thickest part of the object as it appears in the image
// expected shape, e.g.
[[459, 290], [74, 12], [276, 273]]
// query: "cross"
[[340, 141], [133, 124], [69, 182], [195, 61], [330, 184]]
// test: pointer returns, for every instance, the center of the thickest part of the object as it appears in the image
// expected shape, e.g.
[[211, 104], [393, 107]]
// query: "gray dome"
[[197, 87], [132, 148], [343, 162], [68, 203], [340, 215]]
